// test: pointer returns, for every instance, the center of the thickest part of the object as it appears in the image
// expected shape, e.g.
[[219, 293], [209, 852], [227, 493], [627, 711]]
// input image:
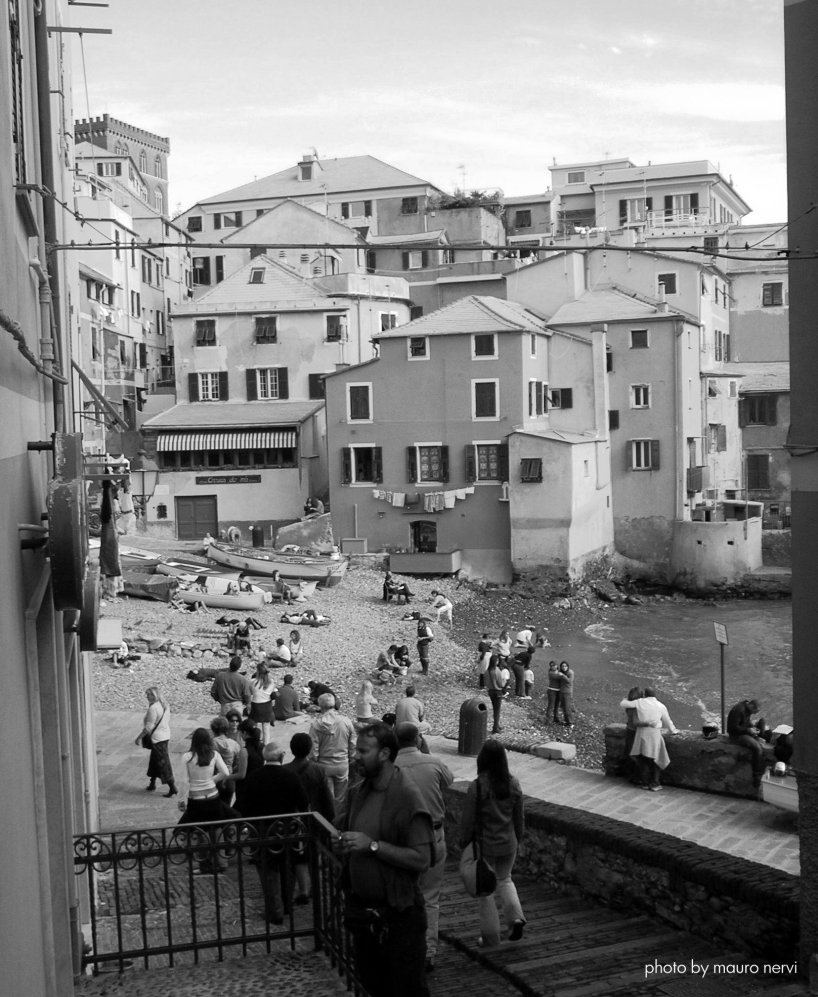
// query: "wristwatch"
[[374, 846]]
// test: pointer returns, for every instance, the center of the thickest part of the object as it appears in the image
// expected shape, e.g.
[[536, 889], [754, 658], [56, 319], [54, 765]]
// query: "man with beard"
[[387, 838]]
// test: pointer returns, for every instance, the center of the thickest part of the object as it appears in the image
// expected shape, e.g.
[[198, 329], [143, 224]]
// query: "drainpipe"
[[51, 342], [679, 442]]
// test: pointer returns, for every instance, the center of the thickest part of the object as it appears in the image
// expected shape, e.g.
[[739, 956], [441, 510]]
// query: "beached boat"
[[301, 589], [780, 790], [240, 603], [326, 570]]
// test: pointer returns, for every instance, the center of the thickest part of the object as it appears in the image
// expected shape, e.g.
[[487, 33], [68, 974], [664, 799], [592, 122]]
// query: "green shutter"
[[283, 383], [771, 414], [471, 466], [623, 211], [654, 455], [411, 464], [193, 387], [404, 260], [566, 398], [346, 465], [252, 384], [224, 390], [629, 455], [377, 464], [742, 412], [444, 463], [502, 461], [721, 441]]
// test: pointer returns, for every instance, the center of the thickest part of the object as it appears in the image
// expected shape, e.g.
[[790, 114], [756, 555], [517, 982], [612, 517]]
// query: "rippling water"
[[672, 647]]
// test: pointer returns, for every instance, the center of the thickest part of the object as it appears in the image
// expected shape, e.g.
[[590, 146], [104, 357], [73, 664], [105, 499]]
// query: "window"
[[136, 304], [267, 383], [711, 244], [533, 344], [194, 223], [757, 410], [336, 328], [409, 206], [633, 210], [210, 386], [415, 311], [537, 398], [484, 346], [427, 462], [157, 165], [143, 162], [201, 270], [531, 469], [256, 276], [486, 462], [109, 169], [266, 328], [576, 176], [388, 320], [640, 396], [418, 347], [372, 261], [359, 402], [227, 219], [361, 464], [158, 200], [667, 282], [356, 209], [205, 332], [485, 399], [219, 269], [758, 471], [613, 418], [643, 455], [732, 389], [417, 259], [716, 438], [447, 256], [317, 386], [561, 398], [772, 294], [712, 388], [639, 339], [609, 358], [522, 219]]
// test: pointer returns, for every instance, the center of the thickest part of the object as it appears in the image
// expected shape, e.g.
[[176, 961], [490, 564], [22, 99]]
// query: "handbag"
[[147, 739], [477, 874]]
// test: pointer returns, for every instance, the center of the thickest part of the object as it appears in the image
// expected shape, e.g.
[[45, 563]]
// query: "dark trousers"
[[271, 873], [552, 704], [518, 671], [393, 964], [423, 654], [756, 748], [496, 702]]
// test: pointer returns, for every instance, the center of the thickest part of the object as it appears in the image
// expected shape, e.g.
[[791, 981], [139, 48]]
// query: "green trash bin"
[[473, 724]]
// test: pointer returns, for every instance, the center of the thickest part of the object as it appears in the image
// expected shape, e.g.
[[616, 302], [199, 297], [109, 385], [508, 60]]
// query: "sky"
[[462, 93]]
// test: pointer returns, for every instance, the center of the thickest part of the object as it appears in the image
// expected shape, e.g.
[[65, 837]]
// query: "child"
[[364, 701], [528, 678]]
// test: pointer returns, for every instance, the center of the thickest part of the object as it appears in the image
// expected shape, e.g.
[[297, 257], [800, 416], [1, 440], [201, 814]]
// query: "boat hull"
[[243, 602], [252, 561]]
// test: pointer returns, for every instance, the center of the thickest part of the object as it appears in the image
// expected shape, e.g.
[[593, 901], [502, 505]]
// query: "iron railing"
[[169, 896]]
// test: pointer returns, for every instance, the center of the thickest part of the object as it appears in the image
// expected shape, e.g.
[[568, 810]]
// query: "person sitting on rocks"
[[239, 640], [317, 689], [386, 667], [742, 730], [281, 657], [296, 647]]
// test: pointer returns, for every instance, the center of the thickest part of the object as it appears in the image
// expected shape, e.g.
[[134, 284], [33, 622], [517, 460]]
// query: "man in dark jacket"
[[270, 791], [321, 801], [388, 841], [742, 730]]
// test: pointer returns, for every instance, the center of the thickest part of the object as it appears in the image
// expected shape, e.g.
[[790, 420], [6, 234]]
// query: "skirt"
[[262, 713], [159, 766]]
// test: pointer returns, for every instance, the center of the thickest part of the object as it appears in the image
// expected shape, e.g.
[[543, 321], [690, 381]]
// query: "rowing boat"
[[326, 570]]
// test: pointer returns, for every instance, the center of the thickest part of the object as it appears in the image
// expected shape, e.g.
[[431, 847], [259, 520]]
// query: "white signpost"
[[720, 631]]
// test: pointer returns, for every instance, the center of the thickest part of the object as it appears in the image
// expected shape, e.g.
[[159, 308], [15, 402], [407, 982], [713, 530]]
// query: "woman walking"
[[495, 687], [156, 727], [205, 771], [261, 700], [494, 801]]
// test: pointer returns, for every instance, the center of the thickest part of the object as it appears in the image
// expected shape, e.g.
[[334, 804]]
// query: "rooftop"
[[218, 415], [472, 314]]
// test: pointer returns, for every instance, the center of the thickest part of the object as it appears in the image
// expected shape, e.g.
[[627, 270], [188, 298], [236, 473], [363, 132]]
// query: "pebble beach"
[[343, 654]]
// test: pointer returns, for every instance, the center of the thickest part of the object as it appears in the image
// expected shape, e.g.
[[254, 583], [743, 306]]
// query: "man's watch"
[[374, 846]]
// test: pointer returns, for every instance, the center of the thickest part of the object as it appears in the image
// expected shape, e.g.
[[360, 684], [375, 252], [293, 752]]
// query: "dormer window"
[[306, 171], [256, 275]]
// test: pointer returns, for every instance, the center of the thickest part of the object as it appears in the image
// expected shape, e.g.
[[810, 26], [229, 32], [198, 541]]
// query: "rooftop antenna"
[[462, 170]]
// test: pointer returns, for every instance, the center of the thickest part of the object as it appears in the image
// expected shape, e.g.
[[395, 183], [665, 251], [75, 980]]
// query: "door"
[[195, 516], [424, 537]]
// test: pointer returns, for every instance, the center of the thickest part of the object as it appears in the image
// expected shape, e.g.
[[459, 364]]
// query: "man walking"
[[272, 790], [334, 738], [425, 638], [387, 838], [432, 778], [231, 690]]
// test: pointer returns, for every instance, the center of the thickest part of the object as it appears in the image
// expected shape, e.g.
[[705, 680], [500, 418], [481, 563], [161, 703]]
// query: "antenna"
[[462, 171]]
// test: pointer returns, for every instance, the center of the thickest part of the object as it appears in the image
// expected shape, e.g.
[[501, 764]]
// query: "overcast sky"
[[448, 90]]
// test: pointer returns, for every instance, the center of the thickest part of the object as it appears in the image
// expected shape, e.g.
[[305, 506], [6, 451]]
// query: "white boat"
[[326, 570], [242, 602]]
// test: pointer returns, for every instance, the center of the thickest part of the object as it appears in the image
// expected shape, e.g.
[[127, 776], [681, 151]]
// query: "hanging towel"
[[428, 502], [460, 493], [469, 490], [398, 499], [448, 500]]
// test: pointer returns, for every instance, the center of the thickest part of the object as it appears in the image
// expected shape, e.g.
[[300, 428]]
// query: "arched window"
[[158, 201], [157, 166], [143, 162]]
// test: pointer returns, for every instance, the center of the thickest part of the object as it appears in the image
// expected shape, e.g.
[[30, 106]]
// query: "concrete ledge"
[[739, 904], [710, 766], [556, 750]]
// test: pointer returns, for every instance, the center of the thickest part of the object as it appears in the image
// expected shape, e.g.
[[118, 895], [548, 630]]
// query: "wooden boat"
[[300, 589], [184, 568], [243, 602], [325, 570]]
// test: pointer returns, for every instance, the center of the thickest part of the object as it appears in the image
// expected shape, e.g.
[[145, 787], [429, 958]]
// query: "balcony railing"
[[677, 219], [171, 896]]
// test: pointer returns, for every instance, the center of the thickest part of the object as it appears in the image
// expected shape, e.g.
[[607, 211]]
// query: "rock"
[[606, 590]]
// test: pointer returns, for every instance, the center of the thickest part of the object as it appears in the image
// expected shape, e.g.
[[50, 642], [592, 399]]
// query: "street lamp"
[[144, 474]]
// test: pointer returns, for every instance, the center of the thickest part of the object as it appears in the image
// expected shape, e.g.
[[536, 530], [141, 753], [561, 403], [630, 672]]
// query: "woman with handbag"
[[492, 824], [155, 735]]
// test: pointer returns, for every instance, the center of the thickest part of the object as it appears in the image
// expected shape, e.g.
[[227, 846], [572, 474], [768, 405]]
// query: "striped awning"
[[268, 439]]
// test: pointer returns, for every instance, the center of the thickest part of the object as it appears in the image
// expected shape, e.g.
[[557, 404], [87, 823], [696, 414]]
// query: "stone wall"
[[711, 766], [740, 905]]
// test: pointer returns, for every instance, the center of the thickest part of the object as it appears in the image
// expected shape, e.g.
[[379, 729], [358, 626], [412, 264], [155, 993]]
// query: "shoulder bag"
[[477, 874], [147, 739]]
